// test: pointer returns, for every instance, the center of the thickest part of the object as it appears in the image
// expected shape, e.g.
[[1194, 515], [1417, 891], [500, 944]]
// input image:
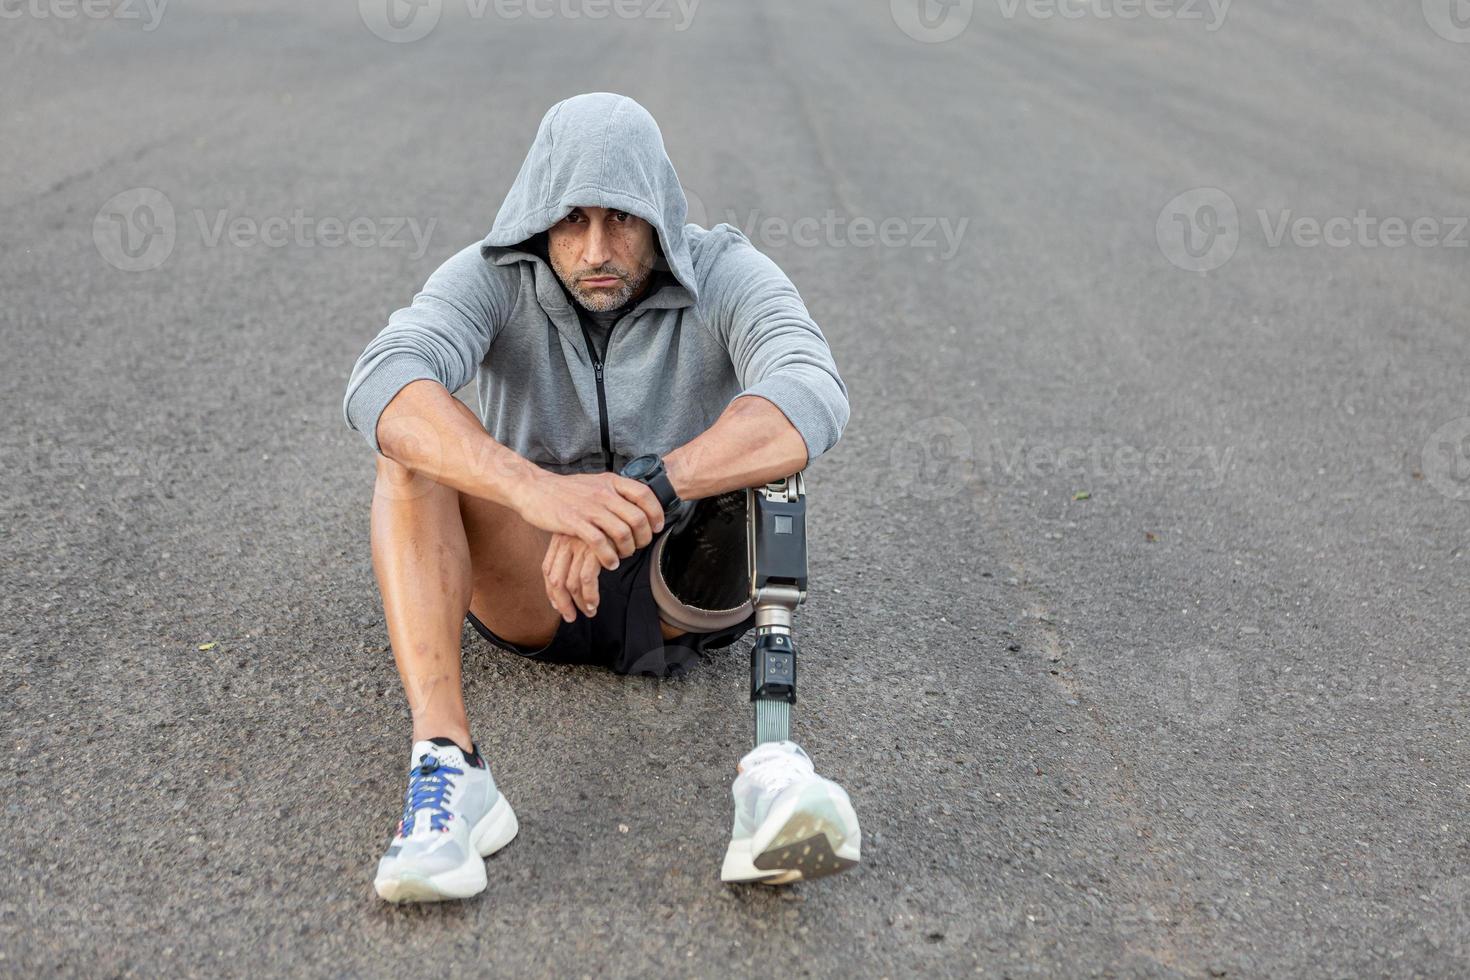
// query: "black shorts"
[[624, 636]]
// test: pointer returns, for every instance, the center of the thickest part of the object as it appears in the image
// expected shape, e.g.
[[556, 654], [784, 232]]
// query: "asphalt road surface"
[[1138, 620]]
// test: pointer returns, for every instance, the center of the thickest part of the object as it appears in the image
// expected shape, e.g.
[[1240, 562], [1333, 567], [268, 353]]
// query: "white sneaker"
[[453, 817], [790, 823]]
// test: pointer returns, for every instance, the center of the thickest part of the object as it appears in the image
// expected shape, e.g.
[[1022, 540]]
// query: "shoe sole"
[[496, 829], [817, 836]]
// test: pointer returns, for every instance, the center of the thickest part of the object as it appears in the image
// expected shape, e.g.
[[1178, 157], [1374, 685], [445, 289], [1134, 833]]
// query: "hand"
[[570, 572], [611, 514]]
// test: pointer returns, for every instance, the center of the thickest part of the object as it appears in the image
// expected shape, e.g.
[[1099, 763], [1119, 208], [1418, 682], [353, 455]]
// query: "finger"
[[573, 579], [547, 564], [587, 570], [593, 536], [556, 581], [640, 494], [617, 531], [633, 516], [557, 541]]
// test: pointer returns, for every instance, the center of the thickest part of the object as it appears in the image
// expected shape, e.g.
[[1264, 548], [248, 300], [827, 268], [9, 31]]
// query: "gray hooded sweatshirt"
[[722, 320]]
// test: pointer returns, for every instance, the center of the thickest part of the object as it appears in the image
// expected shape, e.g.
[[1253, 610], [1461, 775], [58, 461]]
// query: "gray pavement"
[[1139, 619]]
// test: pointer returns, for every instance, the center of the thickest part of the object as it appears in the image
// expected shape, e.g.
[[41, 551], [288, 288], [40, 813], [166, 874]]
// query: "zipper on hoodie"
[[607, 454]]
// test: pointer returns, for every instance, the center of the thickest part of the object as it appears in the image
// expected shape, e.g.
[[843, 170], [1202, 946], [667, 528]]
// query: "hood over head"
[[597, 150]]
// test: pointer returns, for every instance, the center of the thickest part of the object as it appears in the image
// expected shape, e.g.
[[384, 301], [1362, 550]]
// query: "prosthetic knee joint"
[[776, 539]]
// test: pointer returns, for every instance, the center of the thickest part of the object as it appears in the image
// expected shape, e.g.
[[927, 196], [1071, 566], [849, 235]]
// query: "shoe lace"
[[429, 786]]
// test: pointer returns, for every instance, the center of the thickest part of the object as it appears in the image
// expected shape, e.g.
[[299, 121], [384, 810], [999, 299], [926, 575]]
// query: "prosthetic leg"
[[699, 585], [790, 823], [776, 540]]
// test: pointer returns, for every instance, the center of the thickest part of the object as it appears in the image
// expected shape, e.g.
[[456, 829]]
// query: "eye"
[[621, 215], [573, 217]]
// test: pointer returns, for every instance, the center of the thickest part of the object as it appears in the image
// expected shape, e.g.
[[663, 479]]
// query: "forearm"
[[429, 431], [750, 444]]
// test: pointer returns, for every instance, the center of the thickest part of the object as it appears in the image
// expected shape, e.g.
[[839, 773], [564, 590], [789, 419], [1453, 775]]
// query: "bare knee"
[[509, 594]]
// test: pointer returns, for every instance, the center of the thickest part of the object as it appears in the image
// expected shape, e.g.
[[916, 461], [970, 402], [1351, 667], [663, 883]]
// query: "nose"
[[594, 244]]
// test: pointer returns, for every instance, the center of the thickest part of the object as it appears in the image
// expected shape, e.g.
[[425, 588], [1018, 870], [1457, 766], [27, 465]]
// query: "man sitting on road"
[[601, 329]]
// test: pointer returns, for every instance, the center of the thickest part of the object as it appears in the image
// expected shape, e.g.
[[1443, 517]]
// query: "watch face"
[[640, 466]]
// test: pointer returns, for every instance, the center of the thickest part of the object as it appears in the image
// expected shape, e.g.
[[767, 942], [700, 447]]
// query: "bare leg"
[[435, 551], [422, 562]]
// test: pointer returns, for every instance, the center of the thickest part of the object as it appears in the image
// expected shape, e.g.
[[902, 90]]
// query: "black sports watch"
[[648, 469]]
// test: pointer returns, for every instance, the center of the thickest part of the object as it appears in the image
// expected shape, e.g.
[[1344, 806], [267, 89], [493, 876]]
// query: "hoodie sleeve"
[[443, 336], [778, 351]]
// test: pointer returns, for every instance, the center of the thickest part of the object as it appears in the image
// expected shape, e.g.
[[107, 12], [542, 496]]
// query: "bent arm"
[[750, 444], [431, 432], [442, 336], [779, 354]]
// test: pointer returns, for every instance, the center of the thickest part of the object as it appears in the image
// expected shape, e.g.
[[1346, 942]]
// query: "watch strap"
[[663, 489]]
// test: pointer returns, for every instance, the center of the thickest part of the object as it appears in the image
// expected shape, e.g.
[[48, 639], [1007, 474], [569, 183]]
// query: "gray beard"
[[603, 300]]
